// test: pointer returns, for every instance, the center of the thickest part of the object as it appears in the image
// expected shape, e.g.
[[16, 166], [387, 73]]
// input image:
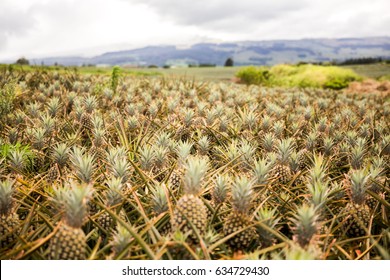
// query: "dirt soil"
[[369, 86]]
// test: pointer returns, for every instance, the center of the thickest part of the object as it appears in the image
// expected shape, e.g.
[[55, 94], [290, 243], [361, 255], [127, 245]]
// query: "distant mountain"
[[243, 53]]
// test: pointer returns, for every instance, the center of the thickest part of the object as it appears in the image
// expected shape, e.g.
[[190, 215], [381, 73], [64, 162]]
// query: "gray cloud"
[[41, 27], [310, 18], [13, 22], [220, 14]]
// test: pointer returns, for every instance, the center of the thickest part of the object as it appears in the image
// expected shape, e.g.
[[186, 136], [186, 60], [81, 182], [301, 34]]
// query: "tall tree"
[[23, 61], [229, 62]]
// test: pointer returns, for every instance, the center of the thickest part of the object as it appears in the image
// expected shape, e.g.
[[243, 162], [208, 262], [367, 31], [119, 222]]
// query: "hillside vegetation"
[[301, 76]]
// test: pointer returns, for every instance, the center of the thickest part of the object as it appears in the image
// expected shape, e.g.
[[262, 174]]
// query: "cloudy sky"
[[40, 28]]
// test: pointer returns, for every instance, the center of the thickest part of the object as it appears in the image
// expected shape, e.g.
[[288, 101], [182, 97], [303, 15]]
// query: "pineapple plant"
[[293, 146], [303, 159], [9, 219], [266, 219], [83, 165], [86, 123], [183, 133], [146, 159], [304, 225], [357, 212], [190, 213], [99, 143], [69, 241], [113, 198], [159, 206], [219, 197], [357, 155], [239, 222], [281, 172], [375, 184], [220, 190], [120, 243], [60, 156], [160, 162], [183, 150], [118, 165]]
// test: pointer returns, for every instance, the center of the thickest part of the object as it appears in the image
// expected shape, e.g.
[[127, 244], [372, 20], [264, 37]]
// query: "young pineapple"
[[160, 163], [83, 165], [219, 195], [17, 161], [203, 146], [159, 205], [190, 210], [183, 133], [119, 243], [86, 123], [118, 165], [241, 201], [266, 219], [9, 220], [114, 196], [247, 151], [304, 159], [69, 242], [60, 158], [183, 151], [375, 184], [146, 159], [261, 174], [281, 172], [220, 191], [357, 155], [304, 225], [99, 143], [358, 213]]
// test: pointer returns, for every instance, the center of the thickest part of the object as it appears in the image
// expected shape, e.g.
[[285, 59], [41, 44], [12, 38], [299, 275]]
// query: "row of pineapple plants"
[[98, 167]]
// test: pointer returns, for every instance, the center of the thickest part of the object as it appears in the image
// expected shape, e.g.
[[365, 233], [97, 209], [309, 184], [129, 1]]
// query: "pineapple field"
[[96, 166]]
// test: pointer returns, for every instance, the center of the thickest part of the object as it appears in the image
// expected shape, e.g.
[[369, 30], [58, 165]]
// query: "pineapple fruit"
[[358, 213], [190, 213], [239, 219], [281, 172], [113, 198], [69, 242], [304, 225], [9, 219]]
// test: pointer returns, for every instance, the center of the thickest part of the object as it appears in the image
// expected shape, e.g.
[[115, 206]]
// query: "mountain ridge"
[[262, 52]]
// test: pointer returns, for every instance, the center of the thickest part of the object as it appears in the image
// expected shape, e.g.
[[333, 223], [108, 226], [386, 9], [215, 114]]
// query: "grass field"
[[226, 74], [374, 71]]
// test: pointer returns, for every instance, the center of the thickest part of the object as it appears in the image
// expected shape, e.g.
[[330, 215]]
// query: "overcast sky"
[[41, 28]]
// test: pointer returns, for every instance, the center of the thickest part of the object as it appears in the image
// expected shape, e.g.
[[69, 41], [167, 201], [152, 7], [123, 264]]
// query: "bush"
[[115, 74], [302, 76], [7, 96], [23, 61], [254, 75]]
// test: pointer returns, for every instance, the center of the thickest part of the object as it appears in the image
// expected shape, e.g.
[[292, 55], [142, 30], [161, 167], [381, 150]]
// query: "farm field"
[[120, 166], [227, 74], [210, 74]]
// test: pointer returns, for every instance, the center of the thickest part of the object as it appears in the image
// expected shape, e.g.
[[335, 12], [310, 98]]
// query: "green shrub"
[[254, 75], [115, 74], [302, 76], [7, 96], [384, 78]]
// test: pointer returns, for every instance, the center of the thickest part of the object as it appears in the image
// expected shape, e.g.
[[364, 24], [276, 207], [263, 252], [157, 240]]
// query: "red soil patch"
[[369, 86]]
